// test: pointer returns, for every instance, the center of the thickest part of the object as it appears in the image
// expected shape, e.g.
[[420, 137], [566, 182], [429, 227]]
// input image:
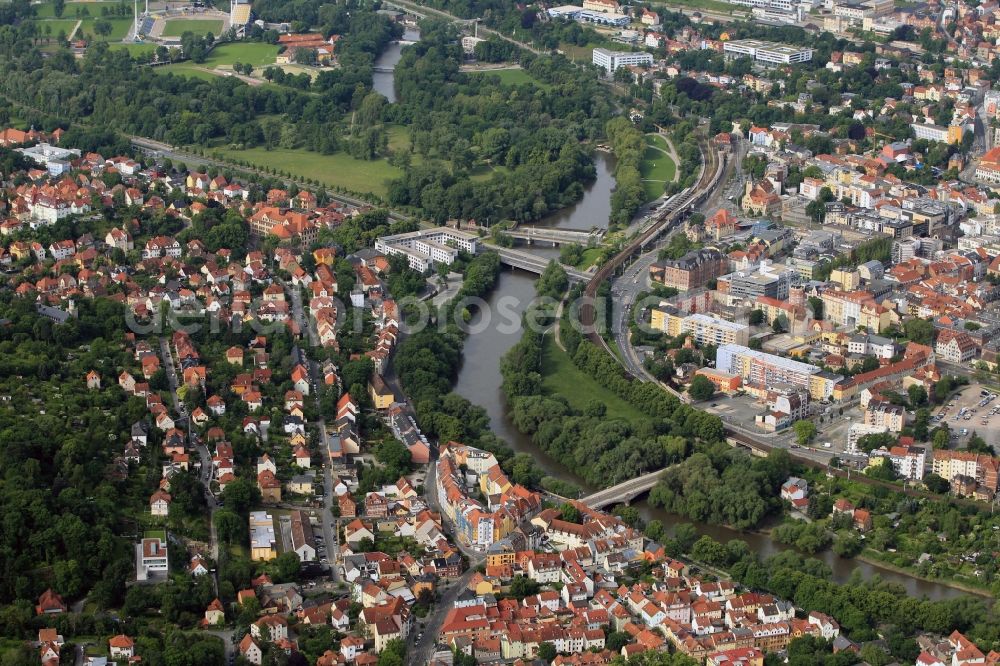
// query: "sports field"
[[177, 27]]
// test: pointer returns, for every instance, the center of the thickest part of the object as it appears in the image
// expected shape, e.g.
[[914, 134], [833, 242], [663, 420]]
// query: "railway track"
[[666, 218]]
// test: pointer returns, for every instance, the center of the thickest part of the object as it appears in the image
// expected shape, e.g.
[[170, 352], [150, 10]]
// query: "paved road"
[[635, 279], [420, 652], [171, 369], [329, 525], [227, 640]]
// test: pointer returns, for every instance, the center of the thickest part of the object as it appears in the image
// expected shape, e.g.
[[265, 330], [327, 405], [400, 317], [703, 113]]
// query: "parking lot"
[[973, 410]]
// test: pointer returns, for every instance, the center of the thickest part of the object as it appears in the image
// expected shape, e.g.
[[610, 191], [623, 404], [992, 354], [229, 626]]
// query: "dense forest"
[[109, 89], [529, 136]]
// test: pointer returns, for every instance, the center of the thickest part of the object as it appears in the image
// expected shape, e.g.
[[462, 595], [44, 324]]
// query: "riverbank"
[[875, 562]]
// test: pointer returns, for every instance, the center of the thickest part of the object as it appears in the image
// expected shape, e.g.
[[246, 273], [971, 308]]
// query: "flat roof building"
[[55, 159], [582, 15], [612, 60], [762, 369], [262, 536], [767, 53], [425, 248], [703, 328]]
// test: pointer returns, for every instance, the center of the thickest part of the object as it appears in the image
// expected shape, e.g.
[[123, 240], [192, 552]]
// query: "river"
[[479, 380], [385, 82]]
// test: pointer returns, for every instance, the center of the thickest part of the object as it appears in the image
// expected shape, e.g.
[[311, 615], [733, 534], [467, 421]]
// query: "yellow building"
[[500, 554], [876, 317], [661, 319], [381, 395], [704, 329], [849, 279]]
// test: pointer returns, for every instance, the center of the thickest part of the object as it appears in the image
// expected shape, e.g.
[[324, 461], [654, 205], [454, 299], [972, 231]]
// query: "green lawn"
[[249, 52], [55, 25], [577, 53], [119, 28], [657, 170], [658, 141], [223, 57], [177, 27], [483, 171], [513, 77], [590, 257], [561, 377], [339, 169], [399, 137], [657, 165], [47, 9]]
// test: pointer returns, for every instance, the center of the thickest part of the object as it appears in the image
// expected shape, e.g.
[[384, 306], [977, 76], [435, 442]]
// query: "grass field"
[[658, 141], [513, 77], [563, 378], [657, 170], [119, 28], [590, 257], [55, 25], [252, 53], [177, 27], [577, 53], [48, 9], [339, 169], [223, 57], [710, 5]]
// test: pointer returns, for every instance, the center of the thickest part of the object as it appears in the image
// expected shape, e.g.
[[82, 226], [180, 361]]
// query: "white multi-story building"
[[612, 60], [908, 462], [767, 53], [55, 159], [859, 430], [930, 132], [856, 11], [153, 560], [762, 368], [425, 248], [871, 345]]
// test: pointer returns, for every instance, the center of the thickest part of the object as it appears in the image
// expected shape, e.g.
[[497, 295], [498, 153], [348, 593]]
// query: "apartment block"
[[704, 329], [884, 413], [762, 369], [909, 462]]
